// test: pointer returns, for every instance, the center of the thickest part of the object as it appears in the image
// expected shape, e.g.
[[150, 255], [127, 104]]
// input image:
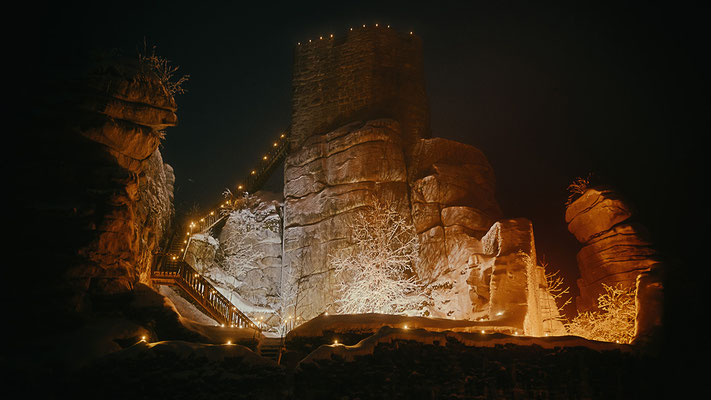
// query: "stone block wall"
[[367, 73]]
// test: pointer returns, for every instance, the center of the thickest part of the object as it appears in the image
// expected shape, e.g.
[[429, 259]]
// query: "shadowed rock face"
[[109, 194], [615, 249]]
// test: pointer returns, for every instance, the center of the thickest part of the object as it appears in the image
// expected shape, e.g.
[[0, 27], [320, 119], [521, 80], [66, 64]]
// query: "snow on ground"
[[182, 349], [388, 334], [195, 320], [372, 322], [185, 308]]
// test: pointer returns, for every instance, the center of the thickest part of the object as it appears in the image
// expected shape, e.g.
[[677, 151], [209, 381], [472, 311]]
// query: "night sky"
[[547, 93]]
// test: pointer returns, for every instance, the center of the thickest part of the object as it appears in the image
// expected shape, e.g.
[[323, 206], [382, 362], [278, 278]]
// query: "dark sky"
[[547, 92]]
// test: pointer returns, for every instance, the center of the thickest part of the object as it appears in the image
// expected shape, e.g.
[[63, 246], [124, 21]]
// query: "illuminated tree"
[[615, 320], [558, 290], [375, 274]]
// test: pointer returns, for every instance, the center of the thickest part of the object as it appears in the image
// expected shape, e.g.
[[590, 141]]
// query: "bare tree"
[[615, 320], [239, 256], [557, 289], [375, 273]]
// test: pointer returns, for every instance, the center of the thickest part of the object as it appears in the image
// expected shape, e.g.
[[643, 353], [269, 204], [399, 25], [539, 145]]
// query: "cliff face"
[[470, 266], [108, 195], [615, 250], [328, 179]]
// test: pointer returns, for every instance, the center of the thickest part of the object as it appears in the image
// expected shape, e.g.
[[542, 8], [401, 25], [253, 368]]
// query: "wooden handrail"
[[170, 268], [181, 274]]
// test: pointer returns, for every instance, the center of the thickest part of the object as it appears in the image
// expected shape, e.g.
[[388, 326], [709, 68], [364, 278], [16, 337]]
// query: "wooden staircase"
[[169, 266], [271, 347]]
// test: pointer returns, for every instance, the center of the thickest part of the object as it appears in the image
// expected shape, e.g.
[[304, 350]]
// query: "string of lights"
[[330, 36]]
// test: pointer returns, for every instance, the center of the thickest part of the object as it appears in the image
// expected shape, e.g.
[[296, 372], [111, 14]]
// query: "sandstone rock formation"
[[243, 257], [453, 206], [516, 285], [328, 179], [108, 194], [614, 251]]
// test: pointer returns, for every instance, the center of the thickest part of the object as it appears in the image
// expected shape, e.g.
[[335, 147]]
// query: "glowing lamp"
[[404, 327], [229, 342]]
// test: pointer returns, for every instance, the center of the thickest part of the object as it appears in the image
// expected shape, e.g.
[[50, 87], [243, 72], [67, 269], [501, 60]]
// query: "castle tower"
[[371, 72]]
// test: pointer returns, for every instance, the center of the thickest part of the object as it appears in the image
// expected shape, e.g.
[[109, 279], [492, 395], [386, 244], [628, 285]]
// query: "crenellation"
[[371, 72]]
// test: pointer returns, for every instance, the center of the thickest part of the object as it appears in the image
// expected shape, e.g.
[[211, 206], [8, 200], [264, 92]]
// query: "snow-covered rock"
[[242, 258]]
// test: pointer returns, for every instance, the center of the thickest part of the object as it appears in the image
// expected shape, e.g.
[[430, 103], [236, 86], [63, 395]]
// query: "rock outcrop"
[[615, 250], [515, 284], [242, 258], [327, 180], [453, 206], [108, 194]]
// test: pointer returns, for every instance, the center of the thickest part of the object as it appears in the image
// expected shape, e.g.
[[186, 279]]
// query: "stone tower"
[[369, 73]]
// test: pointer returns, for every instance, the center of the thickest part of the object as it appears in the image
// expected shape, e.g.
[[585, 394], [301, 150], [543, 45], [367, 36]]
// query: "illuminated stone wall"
[[364, 74]]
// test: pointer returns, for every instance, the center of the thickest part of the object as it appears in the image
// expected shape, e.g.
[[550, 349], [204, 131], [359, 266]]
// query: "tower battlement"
[[370, 72]]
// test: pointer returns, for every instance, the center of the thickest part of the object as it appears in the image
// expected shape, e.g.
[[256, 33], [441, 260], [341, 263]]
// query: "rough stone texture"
[[329, 178], [260, 230], [650, 305], [517, 289], [367, 73], [453, 206], [614, 251], [108, 194], [243, 257]]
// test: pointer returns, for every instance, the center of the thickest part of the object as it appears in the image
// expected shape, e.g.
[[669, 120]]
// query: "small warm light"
[[299, 44], [254, 172], [309, 40], [239, 187], [223, 325], [388, 26], [410, 32], [264, 158], [351, 28], [405, 327], [185, 241], [335, 342], [212, 213], [376, 24], [320, 38], [276, 144], [363, 25], [483, 331], [325, 313], [282, 135], [229, 342], [500, 313], [332, 35], [143, 338]]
